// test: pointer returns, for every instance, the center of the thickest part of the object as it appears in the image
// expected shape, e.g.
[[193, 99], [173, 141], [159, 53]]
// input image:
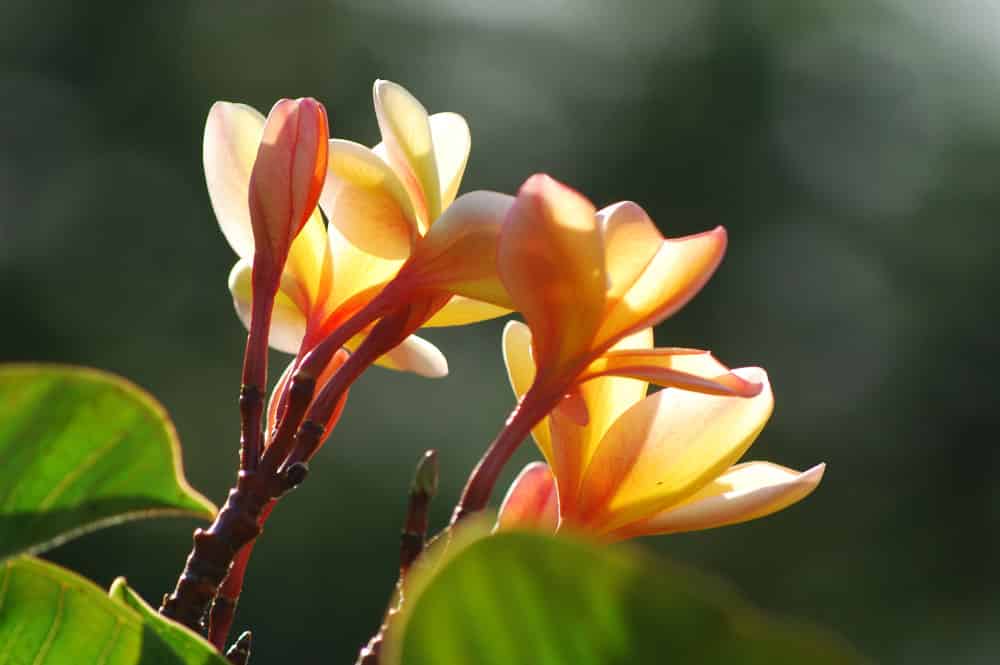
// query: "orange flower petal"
[[551, 260], [676, 273], [462, 311]]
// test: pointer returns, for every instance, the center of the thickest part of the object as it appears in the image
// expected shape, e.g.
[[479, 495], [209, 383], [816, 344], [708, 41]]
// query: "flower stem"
[[528, 413]]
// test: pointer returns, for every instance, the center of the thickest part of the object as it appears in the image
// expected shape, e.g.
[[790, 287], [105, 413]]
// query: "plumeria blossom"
[[585, 280], [334, 270], [645, 465]]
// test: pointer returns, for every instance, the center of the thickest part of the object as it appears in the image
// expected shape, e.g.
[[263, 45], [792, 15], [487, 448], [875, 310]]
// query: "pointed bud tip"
[[425, 480]]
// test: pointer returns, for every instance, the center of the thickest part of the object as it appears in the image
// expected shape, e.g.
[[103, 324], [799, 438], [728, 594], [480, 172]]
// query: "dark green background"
[[851, 149]]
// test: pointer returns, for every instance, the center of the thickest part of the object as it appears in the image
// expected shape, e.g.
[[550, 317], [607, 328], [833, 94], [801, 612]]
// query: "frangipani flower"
[[331, 274], [584, 280], [645, 465]]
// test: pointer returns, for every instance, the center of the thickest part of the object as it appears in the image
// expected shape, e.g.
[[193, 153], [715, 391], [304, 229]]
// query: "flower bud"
[[286, 180]]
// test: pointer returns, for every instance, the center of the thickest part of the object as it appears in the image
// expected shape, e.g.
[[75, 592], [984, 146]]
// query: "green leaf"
[[50, 616], [83, 449], [527, 598]]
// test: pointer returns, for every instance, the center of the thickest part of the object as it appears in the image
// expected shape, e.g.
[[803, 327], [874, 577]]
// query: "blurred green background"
[[851, 149]]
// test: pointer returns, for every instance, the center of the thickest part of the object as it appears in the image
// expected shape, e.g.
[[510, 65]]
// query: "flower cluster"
[[344, 247]]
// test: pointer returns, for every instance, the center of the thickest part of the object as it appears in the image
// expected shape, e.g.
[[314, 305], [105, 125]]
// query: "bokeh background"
[[851, 149]]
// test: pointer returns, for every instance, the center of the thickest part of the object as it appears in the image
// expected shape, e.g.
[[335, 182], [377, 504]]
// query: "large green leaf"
[[82, 449], [527, 598], [50, 616]]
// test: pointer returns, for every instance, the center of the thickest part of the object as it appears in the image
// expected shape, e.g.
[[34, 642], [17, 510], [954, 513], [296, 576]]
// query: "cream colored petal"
[[688, 369], [677, 272], [666, 448], [452, 142], [551, 261], [365, 200], [416, 355], [232, 137], [459, 253], [521, 372], [462, 311], [531, 501], [288, 323], [406, 133], [745, 492]]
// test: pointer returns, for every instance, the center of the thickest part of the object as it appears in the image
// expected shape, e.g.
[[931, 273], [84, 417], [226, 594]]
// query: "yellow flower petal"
[[416, 355], [366, 201], [531, 501], [521, 372], [452, 142], [745, 492], [355, 270], [689, 369], [232, 137], [462, 311], [677, 272], [458, 254], [551, 260], [666, 448], [406, 134], [308, 262], [288, 322]]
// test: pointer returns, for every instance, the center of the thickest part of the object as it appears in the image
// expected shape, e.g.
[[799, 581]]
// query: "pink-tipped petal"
[[687, 369], [675, 274], [531, 501]]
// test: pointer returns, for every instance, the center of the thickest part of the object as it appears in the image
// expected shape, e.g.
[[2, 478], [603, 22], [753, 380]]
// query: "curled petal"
[[406, 134], [521, 372], [687, 369], [631, 240], [364, 198], [461, 311], [551, 260], [416, 355], [232, 137], [531, 501], [287, 176], [666, 448], [675, 274], [458, 254], [288, 322], [745, 492], [450, 134], [355, 270]]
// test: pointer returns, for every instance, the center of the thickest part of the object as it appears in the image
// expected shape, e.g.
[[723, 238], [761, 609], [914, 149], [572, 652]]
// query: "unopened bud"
[[425, 480]]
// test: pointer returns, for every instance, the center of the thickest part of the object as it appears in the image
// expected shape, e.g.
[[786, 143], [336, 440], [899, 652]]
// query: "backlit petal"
[[745, 492], [416, 355], [631, 240], [355, 270], [688, 369], [365, 200], [288, 322], [461, 311], [232, 137], [458, 254], [531, 501], [551, 260], [666, 448], [305, 263], [677, 272], [452, 142], [406, 134], [521, 372]]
